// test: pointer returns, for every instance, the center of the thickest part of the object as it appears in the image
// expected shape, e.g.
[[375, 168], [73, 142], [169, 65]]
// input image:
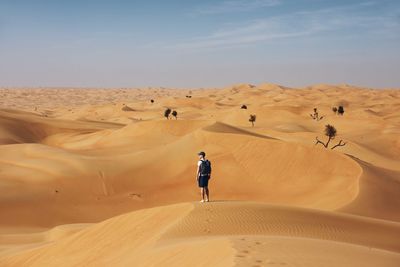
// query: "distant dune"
[[99, 177]]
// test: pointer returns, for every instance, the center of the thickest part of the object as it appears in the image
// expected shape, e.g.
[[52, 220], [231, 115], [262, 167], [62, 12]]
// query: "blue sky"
[[199, 43]]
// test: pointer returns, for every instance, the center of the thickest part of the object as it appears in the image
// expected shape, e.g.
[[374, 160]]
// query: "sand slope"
[[255, 168], [225, 233]]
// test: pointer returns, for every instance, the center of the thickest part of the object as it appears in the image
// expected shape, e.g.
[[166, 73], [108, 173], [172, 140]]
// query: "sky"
[[192, 43]]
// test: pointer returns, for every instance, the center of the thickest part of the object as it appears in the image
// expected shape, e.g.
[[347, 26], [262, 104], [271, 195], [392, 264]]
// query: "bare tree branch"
[[319, 142], [339, 144]]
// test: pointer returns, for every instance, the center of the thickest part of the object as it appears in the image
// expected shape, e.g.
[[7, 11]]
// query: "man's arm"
[[197, 173]]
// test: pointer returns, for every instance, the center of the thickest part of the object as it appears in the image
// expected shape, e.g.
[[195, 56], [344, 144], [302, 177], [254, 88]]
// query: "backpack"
[[205, 167]]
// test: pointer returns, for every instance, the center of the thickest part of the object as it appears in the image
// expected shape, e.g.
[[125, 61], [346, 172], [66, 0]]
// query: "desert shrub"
[[167, 112], [175, 114], [331, 132], [340, 110], [252, 119]]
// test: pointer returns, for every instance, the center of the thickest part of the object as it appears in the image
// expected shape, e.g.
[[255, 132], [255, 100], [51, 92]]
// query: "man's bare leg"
[[202, 194], [207, 193]]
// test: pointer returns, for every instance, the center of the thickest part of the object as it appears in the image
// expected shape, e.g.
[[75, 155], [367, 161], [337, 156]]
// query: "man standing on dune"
[[203, 175]]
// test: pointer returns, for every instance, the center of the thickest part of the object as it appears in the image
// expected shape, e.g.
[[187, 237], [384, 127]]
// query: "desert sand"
[[99, 177]]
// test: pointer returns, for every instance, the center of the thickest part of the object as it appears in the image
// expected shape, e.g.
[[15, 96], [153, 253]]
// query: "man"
[[203, 175]]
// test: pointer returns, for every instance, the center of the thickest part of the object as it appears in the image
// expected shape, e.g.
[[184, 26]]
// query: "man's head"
[[201, 154]]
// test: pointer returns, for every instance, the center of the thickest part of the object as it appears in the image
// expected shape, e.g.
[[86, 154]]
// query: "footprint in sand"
[[280, 263], [135, 196]]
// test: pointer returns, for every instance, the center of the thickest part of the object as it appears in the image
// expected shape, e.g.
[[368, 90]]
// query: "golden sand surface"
[[99, 177]]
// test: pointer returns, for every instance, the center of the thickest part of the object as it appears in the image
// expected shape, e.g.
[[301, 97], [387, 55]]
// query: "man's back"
[[205, 167]]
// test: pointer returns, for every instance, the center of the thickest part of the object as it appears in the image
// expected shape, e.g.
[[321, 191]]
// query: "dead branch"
[[339, 144], [319, 142]]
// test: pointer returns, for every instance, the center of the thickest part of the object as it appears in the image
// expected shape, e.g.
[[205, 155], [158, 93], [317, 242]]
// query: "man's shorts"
[[203, 181]]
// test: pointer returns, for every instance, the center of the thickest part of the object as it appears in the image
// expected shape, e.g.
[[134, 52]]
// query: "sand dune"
[[378, 195], [227, 232], [73, 160]]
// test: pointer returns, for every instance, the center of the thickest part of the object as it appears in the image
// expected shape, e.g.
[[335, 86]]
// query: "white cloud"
[[294, 25], [235, 6]]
